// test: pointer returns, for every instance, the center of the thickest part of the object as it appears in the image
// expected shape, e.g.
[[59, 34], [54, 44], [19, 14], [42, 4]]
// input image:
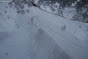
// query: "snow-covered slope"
[[40, 35]]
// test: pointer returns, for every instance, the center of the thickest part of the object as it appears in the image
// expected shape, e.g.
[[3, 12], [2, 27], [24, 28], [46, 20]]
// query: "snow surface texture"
[[40, 35]]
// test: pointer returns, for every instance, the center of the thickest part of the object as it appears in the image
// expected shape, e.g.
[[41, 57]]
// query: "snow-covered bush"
[[55, 6], [21, 11], [82, 8], [19, 5], [77, 17]]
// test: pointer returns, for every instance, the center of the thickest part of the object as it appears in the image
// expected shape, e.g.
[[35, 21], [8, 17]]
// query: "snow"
[[41, 35], [69, 12], [73, 4], [36, 1], [47, 8]]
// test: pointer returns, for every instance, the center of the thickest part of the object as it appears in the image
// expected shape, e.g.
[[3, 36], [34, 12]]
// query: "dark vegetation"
[[81, 6]]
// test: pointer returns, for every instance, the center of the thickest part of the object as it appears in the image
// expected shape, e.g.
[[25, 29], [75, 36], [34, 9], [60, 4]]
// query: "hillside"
[[38, 34]]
